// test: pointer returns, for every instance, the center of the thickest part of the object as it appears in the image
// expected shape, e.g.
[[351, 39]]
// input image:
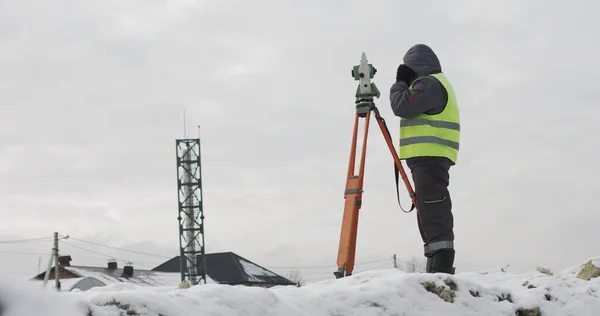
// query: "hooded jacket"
[[427, 95]]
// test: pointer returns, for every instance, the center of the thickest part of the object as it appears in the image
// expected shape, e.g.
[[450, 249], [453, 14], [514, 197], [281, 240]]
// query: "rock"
[[123, 308], [451, 284], [444, 292], [544, 270], [528, 312], [505, 297], [588, 271]]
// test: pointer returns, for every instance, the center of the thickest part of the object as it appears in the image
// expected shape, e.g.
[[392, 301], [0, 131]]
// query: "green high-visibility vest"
[[435, 135]]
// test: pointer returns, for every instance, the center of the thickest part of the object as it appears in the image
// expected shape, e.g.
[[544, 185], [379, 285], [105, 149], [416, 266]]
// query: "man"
[[429, 136]]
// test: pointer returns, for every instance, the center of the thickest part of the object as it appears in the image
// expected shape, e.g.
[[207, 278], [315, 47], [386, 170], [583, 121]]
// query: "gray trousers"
[[436, 222]]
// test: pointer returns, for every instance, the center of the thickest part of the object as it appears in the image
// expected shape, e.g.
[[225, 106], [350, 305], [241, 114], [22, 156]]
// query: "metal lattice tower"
[[191, 214]]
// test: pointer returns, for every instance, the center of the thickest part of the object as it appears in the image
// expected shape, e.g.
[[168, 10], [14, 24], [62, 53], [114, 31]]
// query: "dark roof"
[[230, 268]]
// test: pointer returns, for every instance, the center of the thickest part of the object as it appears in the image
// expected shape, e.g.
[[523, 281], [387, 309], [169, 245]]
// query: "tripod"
[[365, 94]]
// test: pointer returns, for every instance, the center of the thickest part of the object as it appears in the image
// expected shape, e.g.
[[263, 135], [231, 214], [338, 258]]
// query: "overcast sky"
[[92, 95]]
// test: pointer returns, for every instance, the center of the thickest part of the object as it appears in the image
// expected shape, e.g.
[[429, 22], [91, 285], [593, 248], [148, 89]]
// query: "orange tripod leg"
[[353, 197]]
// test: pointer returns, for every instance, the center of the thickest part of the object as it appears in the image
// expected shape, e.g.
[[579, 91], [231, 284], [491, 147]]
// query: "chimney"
[[112, 264], [128, 270], [64, 261]]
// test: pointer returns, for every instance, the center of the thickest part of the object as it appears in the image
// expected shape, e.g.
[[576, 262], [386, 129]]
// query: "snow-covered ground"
[[380, 292]]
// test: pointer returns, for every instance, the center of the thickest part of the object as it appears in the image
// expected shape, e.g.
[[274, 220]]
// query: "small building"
[[230, 268], [83, 278]]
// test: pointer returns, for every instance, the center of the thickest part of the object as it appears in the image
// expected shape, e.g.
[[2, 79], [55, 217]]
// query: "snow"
[[141, 278], [96, 275], [376, 292], [153, 278], [66, 284], [253, 271]]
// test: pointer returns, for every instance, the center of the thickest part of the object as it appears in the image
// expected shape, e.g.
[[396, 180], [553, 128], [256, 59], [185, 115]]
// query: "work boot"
[[443, 261]]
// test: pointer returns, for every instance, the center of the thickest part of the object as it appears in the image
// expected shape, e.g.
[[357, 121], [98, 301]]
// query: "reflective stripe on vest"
[[435, 135]]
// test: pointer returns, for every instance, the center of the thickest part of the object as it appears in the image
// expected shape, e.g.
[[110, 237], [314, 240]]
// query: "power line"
[[24, 253], [85, 257], [144, 264], [329, 266], [268, 267], [122, 249], [88, 250], [25, 240]]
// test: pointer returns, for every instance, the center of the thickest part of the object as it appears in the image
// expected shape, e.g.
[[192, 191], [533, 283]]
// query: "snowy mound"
[[383, 292]]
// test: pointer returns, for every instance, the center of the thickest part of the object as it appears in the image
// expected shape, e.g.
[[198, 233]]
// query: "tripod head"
[[366, 89]]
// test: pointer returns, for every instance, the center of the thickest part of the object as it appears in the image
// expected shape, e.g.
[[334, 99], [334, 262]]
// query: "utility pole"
[[54, 257], [56, 263], [395, 262]]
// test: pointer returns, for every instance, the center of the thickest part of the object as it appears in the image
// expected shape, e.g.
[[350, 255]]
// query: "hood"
[[422, 60]]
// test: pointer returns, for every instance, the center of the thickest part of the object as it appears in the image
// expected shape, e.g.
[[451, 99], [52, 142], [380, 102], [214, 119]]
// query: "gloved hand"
[[405, 74]]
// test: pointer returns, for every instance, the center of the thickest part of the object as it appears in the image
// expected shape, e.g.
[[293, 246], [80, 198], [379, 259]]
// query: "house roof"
[[112, 276], [230, 268], [66, 285]]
